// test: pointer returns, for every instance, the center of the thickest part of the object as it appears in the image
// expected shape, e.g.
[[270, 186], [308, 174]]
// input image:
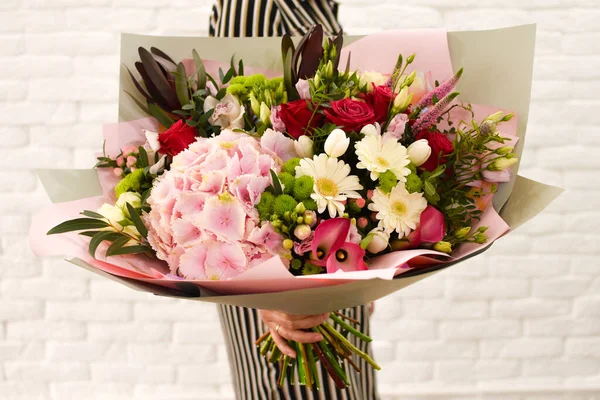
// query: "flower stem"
[[350, 329], [361, 354], [313, 366]]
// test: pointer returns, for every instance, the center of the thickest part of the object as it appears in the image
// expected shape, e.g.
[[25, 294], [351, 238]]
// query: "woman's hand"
[[286, 326]]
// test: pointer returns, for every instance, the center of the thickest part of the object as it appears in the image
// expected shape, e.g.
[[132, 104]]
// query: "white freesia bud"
[[371, 77], [304, 147], [379, 241], [112, 213], [501, 164], [265, 112], [152, 139], [419, 152], [371, 129], [129, 197], [337, 143], [402, 100]]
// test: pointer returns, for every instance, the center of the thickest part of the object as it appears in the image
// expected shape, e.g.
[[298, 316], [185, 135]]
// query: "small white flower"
[[333, 183], [337, 143], [398, 211], [304, 147], [379, 156], [113, 214], [371, 129], [369, 78], [380, 239], [228, 113], [419, 152], [129, 197], [402, 100], [152, 139]]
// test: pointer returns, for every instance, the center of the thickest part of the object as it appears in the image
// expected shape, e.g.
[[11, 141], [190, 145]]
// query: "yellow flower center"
[[383, 163], [399, 208], [327, 187], [228, 145]]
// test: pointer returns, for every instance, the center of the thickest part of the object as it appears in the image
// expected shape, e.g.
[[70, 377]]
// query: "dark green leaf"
[[143, 157], [181, 85], [78, 224], [158, 79], [88, 233], [116, 245], [276, 184], [92, 214], [200, 70], [241, 68], [100, 237], [188, 107], [137, 221], [228, 76], [130, 250], [205, 117], [160, 115], [139, 103]]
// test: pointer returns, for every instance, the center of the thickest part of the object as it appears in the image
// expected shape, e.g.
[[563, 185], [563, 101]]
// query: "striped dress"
[[254, 378]]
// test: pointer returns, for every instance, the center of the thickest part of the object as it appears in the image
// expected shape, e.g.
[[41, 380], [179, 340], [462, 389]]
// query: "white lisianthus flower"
[[228, 114], [419, 152], [336, 143], [333, 183], [113, 214], [304, 147], [369, 78], [398, 211], [402, 100], [379, 156], [129, 197], [371, 129], [380, 240], [502, 163]]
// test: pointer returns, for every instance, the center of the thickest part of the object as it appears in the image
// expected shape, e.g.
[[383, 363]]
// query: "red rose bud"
[[350, 114], [177, 138], [380, 100], [297, 116], [440, 145]]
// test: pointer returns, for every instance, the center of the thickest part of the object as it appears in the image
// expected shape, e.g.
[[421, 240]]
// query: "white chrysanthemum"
[[398, 211], [333, 182], [379, 156]]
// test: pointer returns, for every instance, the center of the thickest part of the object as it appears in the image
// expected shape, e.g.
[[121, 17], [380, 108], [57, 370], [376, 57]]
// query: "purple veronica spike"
[[430, 117], [441, 91]]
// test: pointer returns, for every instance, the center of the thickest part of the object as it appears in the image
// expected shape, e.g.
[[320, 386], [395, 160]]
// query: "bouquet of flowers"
[[325, 174]]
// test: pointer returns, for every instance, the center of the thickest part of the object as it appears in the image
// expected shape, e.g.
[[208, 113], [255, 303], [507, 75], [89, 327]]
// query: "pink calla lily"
[[350, 257], [330, 235], [432, 226]]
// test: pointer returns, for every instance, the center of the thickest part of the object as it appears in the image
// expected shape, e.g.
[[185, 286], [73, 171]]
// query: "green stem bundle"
[[335, 352]]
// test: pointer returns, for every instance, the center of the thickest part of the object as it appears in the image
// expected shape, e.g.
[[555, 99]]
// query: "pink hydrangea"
[[202, 221]]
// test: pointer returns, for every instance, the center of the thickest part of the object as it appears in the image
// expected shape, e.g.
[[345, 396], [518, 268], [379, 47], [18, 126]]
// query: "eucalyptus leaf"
[[137, 221], [116, 245], [100, 237], [130, 250], [78, 224], [160, 115], [276, 184], [200, 70], [205, 117], [92, 214], [181, 85], [143, 156], [141, 105]]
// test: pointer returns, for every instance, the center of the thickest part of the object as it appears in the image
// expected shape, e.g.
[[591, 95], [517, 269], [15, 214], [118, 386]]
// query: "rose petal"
[[432, 225]]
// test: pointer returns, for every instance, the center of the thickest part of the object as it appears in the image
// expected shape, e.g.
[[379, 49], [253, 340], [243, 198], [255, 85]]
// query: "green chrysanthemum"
[[131, 183], [265, 205], [310, 204], [387, 181], [303, 187], [290, 166], [288, 182], [284, 203], [413, 183]]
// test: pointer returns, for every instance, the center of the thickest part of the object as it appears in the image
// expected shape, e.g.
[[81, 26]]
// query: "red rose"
[[297, 116], [177, 138], [441, 147], [380, 101], [350, 114]]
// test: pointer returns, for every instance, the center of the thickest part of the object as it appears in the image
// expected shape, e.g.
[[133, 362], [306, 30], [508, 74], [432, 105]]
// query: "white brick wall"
[[521, 322]]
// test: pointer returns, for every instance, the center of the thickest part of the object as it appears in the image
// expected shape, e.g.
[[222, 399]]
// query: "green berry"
[[290, 166], [303, 187], [284, 203]]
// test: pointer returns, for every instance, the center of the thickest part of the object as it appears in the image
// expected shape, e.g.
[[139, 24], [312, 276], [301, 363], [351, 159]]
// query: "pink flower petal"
[[225, 261], [330, 235], [191, 263], [224, 217], [432, 225], [350, 257]]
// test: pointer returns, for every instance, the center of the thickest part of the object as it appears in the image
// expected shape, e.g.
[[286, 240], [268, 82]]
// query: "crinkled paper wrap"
[[498, 70]]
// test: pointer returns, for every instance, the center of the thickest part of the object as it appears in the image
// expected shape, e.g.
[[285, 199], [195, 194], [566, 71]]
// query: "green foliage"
[[303, 187], [310, 204]]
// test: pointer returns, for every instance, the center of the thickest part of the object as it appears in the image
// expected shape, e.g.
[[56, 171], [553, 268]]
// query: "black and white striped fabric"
[[256, 379], [253, 18]]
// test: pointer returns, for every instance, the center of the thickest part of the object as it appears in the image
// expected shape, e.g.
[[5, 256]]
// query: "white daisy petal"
[[399, 210], [379, 156]]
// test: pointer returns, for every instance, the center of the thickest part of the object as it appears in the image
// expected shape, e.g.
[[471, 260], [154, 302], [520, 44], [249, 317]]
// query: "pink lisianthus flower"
[[395, 129], [276, 120], [279, 144]]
